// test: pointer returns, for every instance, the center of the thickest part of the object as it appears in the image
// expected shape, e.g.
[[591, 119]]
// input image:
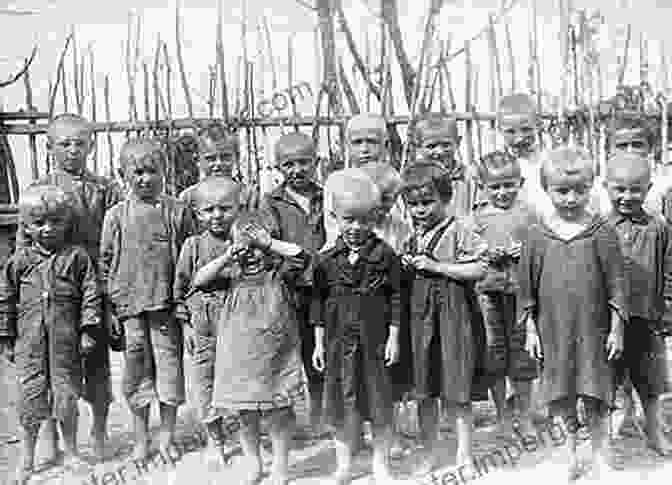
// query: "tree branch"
[[390, 14]]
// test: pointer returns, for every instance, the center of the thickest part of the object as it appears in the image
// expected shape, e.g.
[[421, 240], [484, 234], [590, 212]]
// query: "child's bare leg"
[[249, 441], [141, 431], [100, 413], [656, 439], [27, 462], [599, 430], [397, 445], [168, 415], [464, 422], [625, 406], [498, 392], [281, 422], [382, 439], [69, 431], [344, 453], [428, 415], [50, 436], [523, 402]]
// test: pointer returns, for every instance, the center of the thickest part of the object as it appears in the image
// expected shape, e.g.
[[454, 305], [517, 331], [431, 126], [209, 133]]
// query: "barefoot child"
[[69, 142], [259, 376], [217, 201], [50, 315], [295, 206], [646, 242], [442, 255], [437, 139], [356, 314], [502, 223], [573, 302], [142, 237]]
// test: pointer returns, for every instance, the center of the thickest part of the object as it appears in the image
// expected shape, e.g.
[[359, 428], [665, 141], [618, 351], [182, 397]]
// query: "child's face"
[[439, 147], [355, 224], [298, 171], [218, 214], [519, 136], [627, 189], [425, 206], [144, 178], [502, 186], [569, 194], [218, 162], [49, 229], [366, 146], [69, 145]]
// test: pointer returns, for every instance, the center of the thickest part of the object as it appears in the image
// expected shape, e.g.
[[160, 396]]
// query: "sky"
[[102, 26]]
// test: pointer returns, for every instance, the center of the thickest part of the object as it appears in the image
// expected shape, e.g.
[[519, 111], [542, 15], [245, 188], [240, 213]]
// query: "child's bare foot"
[[141, 450], [342, 477], [600, 468], [574, 472], [253, 473], [660, 444], [22, 475]]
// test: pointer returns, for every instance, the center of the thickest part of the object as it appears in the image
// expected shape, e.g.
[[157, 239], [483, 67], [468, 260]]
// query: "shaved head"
[[516, 108], [567, 165], [367, 122], [294, 145], [216, 190], [628, 166], [353, 190]]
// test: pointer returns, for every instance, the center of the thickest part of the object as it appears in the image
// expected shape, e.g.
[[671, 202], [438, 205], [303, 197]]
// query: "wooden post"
[[108, 118], [512, 60], [180, 61], [468, 70], [221, 62], [32, 142], [64, 85], [75, 72], [130, 71], [94, 110]]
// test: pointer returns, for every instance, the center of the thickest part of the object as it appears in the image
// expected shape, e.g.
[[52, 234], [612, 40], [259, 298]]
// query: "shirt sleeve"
[[394, 292], [667, 273], [317, 317], [330, 224], [187, 225], [468, 241], [92, 301], [9, 295], [108, 245], [613, 264], [184, 272], [528, 269]]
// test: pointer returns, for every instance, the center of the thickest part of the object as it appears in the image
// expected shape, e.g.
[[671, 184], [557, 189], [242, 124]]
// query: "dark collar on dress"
[[372, 251], [280, 193]]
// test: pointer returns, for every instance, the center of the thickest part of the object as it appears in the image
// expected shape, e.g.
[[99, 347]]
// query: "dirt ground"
[[312, 463]]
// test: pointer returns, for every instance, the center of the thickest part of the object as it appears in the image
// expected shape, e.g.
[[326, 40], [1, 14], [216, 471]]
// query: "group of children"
[[339, 302]]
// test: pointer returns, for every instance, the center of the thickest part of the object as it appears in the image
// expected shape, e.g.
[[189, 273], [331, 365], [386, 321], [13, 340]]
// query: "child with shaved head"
[[573, 301], [296, 208], [356, 314], [646, 242], [50, 318]]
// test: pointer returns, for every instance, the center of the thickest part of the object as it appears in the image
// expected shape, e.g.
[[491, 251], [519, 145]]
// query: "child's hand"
[[532, 341], [86, 343], [7, 349], [259, 236], [614, 345], [318, 358], [515, 250], [189, 338], [391, 351], [422, 263]]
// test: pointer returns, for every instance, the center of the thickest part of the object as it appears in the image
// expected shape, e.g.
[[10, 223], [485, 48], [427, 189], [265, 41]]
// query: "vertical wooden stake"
[[108, 119], [32, 142], [94, 109]]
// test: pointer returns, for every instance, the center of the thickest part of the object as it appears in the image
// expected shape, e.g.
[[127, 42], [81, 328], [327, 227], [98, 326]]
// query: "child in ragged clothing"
[[442, 253], [50, 315], [573, 301], [218, 203], [646, 242], [142, 238], [502, 223], [259, 375], [356, 313]]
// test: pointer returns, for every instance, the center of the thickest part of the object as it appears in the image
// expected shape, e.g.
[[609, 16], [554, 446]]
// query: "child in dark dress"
[[50, 316], [356, 314], [573, 301], [646, 242], [442, 253]]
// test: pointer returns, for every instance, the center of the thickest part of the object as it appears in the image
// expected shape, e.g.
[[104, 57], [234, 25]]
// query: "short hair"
[[367, 121], [354, 183], [518, 104], [41, 200], [631, 160], [384, 175], [219, 134], [127, 155], [218, 187], [434, 122], [566, 160], [496, 160], [68, 118], [425, 173], [294, 139]]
